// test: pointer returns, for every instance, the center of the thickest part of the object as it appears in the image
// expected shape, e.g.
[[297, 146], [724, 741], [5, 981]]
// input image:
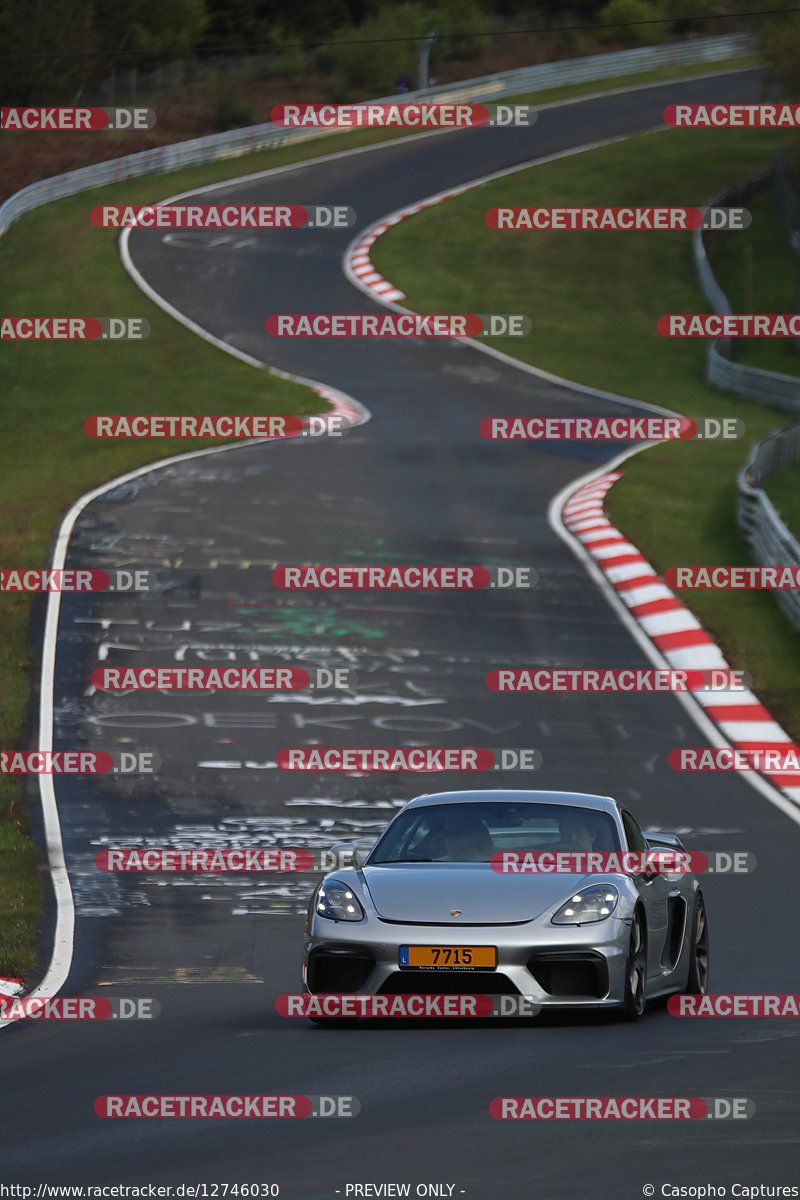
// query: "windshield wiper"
[[397, 860]]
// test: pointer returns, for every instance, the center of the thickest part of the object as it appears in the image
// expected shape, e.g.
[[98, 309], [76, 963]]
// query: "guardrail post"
[[424, 58]]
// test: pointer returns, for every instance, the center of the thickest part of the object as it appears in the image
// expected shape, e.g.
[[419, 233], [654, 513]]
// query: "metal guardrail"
[[767, 387], [769, 539], [606, 66], [787, 197], [734, 196], [235, 142]]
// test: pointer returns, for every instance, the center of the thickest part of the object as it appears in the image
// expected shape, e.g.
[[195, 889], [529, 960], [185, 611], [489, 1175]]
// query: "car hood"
[[426, 892]]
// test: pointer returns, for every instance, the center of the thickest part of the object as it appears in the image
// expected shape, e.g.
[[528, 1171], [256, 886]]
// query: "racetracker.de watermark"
[[617, 219], [78, 1008], [775, 759], [735, 325], [56, 579], [407, 758], [75, 120], [410, 115], [78, 762], [734, 578], [199, 1107], [417, 578], [222, 216], [729, 1005], [232, 860], [623, 862], [223, 679], [617, 679], [224, 425], [610, 429], [162, 860], [73, 329], [417, 1005], [412, 325], [719, 116], [620, 1108]]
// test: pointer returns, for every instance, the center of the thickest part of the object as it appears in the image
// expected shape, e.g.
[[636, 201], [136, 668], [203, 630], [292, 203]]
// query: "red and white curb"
[[360, 264], [10, 987], [357, 264], [357, 258], [344, 406], [674, 631]]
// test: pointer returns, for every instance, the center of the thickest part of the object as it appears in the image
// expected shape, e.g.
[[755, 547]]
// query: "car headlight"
[[593, 903], [336, 901]]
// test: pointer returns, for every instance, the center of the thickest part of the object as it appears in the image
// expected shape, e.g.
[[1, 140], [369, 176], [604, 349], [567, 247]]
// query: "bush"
[[683, 13], [618, 11], [780, 43], [375, 66], [291, 60], [231, 112]]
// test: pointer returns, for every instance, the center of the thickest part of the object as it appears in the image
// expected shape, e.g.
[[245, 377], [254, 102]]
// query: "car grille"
[[342, 971]]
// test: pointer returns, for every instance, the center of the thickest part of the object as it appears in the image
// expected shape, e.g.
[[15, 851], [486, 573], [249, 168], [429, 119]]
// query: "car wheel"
[[635, 1000], [697, 982]]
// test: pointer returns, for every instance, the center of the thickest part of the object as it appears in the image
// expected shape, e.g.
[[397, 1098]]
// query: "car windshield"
[[473, 832]]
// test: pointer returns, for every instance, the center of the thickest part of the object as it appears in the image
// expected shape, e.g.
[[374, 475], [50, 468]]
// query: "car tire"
[[635, 1000], [697, 981]]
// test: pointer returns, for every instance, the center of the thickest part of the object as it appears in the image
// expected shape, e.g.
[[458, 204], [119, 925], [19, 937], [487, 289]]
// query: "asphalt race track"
[[415, 484]]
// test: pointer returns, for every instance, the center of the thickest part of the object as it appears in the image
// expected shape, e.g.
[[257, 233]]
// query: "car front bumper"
[[579, 966]]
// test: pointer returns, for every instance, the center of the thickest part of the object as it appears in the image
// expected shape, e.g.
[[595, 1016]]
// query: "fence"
[[127, 85], [256, 137], [787, 199], [769, 539], [767, 387]]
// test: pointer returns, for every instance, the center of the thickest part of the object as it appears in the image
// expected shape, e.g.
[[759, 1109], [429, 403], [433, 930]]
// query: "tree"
[[40, 32], [780, 44]]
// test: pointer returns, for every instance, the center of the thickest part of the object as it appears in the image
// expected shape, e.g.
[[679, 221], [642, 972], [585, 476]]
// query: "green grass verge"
[[594, 299], [53, 262], [759, 272], [20, 898]]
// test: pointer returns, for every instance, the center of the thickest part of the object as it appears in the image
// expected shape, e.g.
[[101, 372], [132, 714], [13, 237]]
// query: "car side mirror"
[[340, 855], [663, 849]]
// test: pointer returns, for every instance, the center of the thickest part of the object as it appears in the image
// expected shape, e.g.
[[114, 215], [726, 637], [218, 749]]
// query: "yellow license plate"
[[465, 957]]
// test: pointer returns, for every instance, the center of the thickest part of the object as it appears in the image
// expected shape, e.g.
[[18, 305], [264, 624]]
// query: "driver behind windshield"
[[576, 833], [462, 837]]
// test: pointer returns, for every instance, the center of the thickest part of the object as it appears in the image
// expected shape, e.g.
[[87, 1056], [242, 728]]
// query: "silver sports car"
[[428, 911]]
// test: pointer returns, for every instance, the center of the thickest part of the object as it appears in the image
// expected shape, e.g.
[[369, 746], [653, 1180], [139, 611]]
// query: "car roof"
[[574, 799]]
